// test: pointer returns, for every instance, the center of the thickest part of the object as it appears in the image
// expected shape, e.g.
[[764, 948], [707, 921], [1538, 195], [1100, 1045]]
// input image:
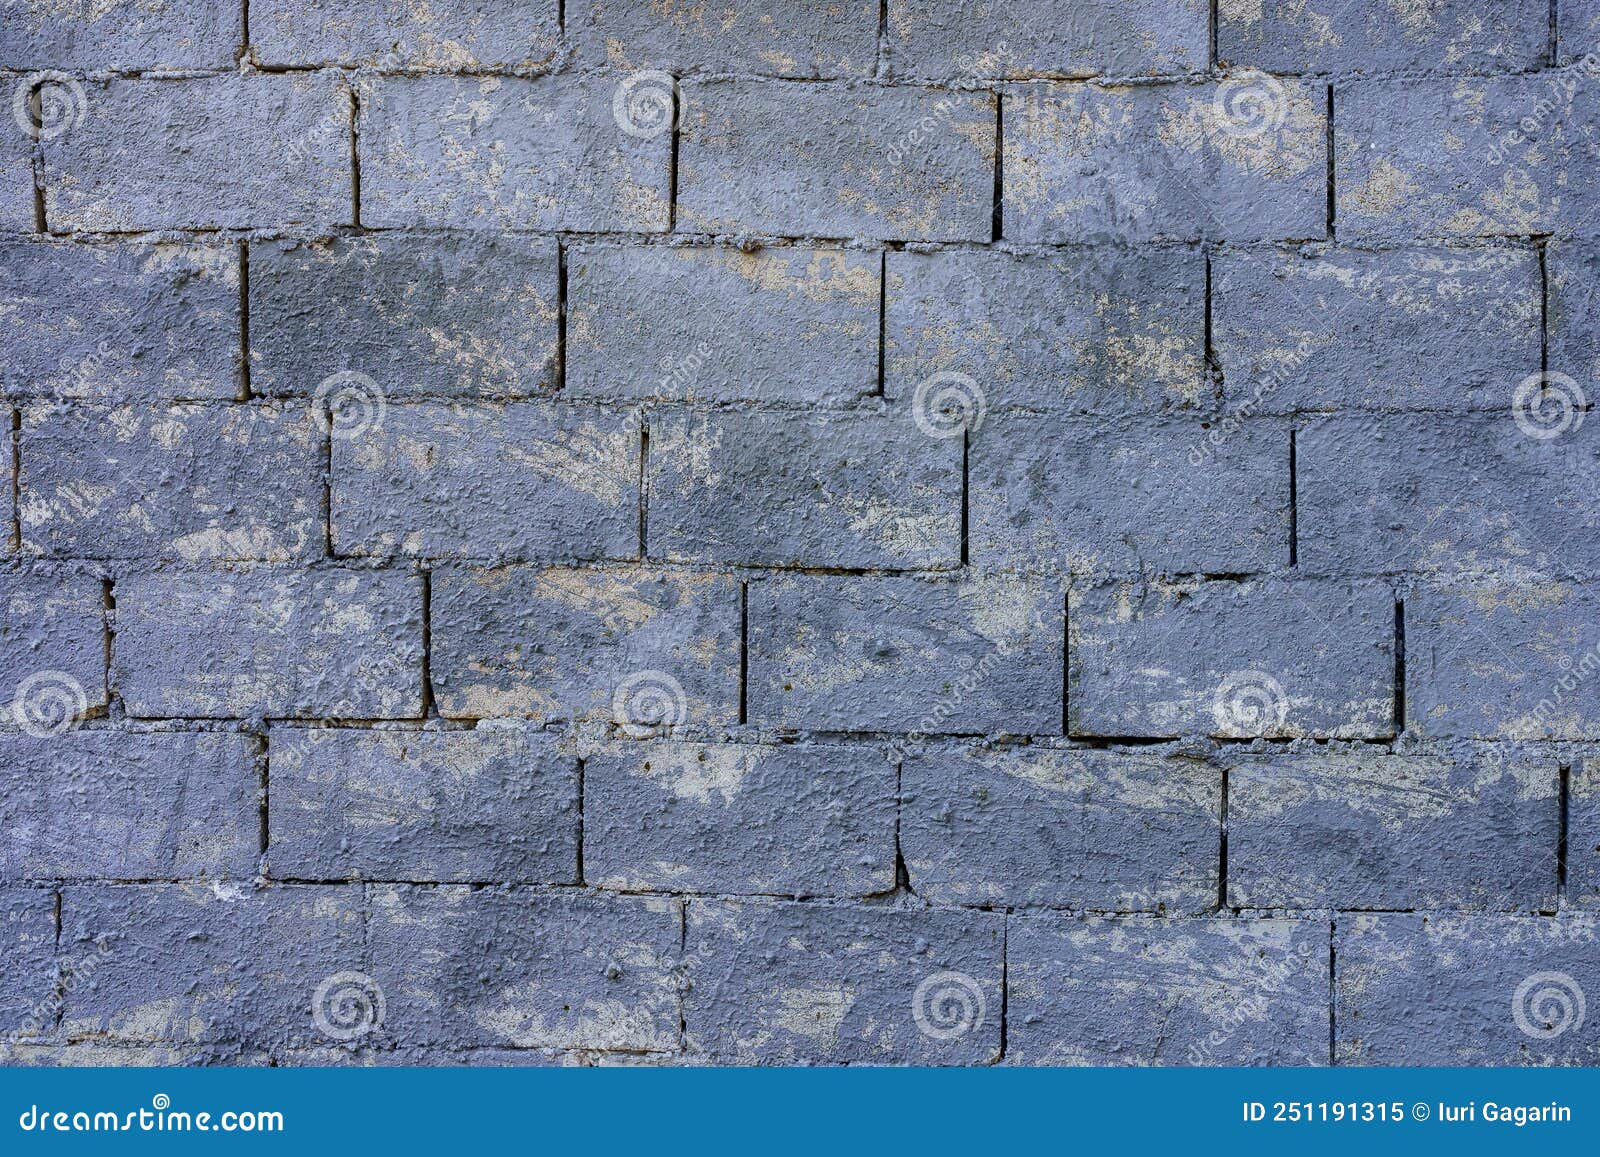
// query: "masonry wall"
[[938, 533]]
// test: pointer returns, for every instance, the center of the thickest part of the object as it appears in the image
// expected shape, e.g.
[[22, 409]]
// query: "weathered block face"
[[951, 532]]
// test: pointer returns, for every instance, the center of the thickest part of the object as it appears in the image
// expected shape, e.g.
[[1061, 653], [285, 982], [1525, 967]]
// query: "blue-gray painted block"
[[28, 1005], [1573, 308], [204, 963], [122, 321], [1089, 496], [700, 817], [852, 984], [125, 35], [1503, 659], [1451, 36], [1578, 32], [520, 968], [645, 650], [458, 316], [16, 165], [218, 152], [126, 805], [1414, 989], [495, 803], [789, 38], [529, 480], [907, 164], [1085, 162], [1257, 658], [1583, 831], [1015, 39], [866, 653], [197, 483], [52, 649], [1121, 830], [1103, 329], [1409, 329], [504, 153], [446, 35], [820, 490], [713, 324], [267, 641], [1501, 156], [1469, 827], [1142, 991]]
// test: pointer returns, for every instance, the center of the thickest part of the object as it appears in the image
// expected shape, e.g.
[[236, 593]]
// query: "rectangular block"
[[16, 169], [528, 480], [28, 1003], [220, 152], [1084, 162], [1407, 329], [811, 984], [1503, 660], [119, 321], [1110, 830], [495, 803], [207, 963], [702, 324], [1141, 991], [1102, 330], [856, 653], [1234, 659], [1330, 36], [448, 35], [515, 967], [1059, 495], [1500, 156], [125, 35], [502, 153], [1578, 32], [1018, 40], [197, 482], [905, 164], [1473, 827], [1418, 989], [445, 316], [784, 489], [770, 38], [1572, 308], [644, 650], [1447, 494], [259, 641], [52, 649], [1583, 832], [124, 805], [701, 817]]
